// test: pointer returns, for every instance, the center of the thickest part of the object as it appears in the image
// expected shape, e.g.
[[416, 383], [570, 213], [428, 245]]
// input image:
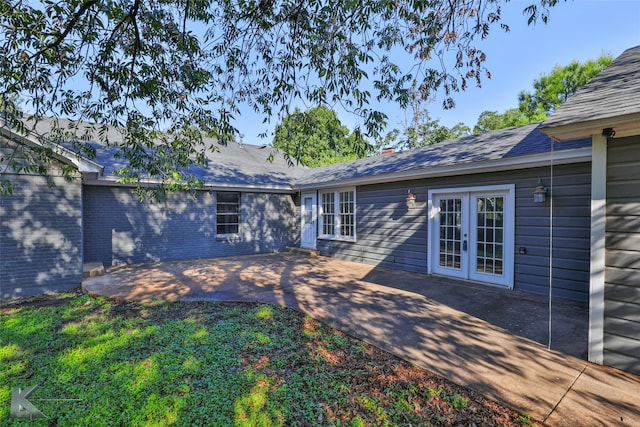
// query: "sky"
[[578, 29]]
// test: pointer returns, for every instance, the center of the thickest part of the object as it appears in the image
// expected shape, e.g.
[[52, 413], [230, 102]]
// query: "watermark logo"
[[21, 407]]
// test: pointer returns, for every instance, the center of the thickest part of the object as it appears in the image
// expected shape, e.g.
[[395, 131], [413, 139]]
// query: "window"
[[328, 214], [227, 213], [338, 214]]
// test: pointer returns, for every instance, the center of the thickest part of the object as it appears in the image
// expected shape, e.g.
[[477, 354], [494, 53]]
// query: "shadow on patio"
[[477, 336]]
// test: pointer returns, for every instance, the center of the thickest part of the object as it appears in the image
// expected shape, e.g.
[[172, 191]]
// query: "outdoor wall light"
[[540, 193], [411, 200], [608, 133]]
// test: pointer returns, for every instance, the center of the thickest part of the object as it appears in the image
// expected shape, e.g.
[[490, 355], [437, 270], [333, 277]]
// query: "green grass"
[[204, 363]]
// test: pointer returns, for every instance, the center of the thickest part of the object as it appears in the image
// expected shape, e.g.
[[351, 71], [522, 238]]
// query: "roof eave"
[[578, 155], [83, 164], [625, 125], [111, 181]]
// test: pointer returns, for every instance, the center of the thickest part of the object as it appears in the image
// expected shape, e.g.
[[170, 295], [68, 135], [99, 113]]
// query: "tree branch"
[[68, 28]]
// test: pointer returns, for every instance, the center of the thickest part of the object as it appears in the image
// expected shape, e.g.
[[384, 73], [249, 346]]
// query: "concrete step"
[[92, 269], [303, 251]]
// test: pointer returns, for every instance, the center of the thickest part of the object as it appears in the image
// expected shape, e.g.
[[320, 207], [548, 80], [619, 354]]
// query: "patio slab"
[[492, 340]]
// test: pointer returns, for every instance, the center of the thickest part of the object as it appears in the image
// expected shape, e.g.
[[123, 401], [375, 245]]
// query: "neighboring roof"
[[511, 148], [233, 166], [611, 99]]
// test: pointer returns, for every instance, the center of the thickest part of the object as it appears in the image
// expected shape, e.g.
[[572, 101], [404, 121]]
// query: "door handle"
[[464, 245]]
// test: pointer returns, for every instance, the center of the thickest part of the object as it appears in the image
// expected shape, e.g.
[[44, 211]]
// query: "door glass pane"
[[308, 210], [450, 232], [489, 234]]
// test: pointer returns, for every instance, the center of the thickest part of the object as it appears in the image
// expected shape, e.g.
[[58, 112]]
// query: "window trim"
[[336, 235], [229, 236]]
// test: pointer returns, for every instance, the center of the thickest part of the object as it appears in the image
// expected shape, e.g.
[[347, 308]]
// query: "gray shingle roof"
[[234, 165], [502, 144], [246, 166], [612, 93]]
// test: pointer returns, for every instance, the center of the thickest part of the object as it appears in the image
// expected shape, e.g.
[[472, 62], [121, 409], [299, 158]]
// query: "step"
[[92, 269], [304, 251]]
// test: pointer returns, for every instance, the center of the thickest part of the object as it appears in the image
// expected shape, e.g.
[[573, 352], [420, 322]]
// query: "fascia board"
[[62, 154], [625, 125], [578, 155], [111, 181]]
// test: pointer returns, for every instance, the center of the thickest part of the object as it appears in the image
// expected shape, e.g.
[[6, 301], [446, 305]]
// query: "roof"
[[233, 166], [62, 154], [511, 148], [611, 99], [244, 166]]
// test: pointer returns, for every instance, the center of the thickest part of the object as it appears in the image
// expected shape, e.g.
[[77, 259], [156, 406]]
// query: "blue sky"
[[579, 29]]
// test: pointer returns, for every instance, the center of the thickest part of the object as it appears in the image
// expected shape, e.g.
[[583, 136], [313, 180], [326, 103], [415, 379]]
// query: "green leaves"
[[165, 65], [550, 92], [422, 131], [316, 138], [554, 89]]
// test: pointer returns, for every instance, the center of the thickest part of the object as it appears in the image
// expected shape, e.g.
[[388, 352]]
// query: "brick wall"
[[120, 229], [40, 236]]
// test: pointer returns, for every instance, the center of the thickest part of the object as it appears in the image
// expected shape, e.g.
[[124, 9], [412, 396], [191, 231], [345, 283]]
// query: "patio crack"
[[584, 368]]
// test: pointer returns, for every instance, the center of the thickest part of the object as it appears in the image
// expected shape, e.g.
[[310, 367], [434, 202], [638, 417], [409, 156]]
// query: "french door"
[[471, 234]]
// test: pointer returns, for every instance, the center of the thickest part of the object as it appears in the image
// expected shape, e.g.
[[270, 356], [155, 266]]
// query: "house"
[[474, 215], [607, 111], [551, 209], [49, 232]]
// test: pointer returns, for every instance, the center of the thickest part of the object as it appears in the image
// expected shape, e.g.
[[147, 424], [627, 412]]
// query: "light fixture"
[[540, 193], [411, 200], [608, 133]]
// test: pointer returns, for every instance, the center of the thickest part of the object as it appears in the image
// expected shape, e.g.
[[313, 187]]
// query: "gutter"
[[111, 181]]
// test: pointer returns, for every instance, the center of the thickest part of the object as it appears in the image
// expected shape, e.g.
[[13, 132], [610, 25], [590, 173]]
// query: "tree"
[[428, 131], [159, 69], [422, 130], [492, 120], [554, 89], [550, 91], [316, 137]]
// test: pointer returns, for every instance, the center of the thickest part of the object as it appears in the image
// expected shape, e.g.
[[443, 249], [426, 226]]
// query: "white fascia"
[[625, 125], [84, 165]]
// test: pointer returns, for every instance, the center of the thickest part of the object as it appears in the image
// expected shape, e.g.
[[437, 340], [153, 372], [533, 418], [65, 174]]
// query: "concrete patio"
[[492, 340]]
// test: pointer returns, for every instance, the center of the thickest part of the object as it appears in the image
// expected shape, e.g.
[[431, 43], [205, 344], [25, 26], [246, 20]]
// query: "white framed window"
[[227, 213], [338, 214]]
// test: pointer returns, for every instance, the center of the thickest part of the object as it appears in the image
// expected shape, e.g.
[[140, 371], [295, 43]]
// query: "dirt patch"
[[50, 299]]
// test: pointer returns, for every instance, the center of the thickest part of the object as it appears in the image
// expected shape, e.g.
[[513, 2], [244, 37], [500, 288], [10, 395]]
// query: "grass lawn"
[[213, 364]]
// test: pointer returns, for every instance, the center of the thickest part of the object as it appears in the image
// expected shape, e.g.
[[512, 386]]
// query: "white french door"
[[471, 234]]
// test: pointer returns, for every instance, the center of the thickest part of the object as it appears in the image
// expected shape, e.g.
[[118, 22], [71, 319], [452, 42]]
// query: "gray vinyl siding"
[[40, 234], [119, 229], [390, 235], [622, 259], [387, 233]]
